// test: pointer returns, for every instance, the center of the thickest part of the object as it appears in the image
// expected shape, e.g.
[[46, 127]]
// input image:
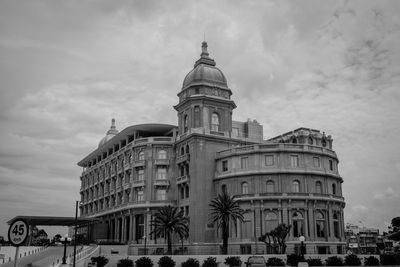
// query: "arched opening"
[[215, 122], [333, 189], [185, 123], [298, 224], [320, 224], [336, 225], [270, 187], [162, 154], [245, 188], [271, 221], [295, 186], [318, 187]]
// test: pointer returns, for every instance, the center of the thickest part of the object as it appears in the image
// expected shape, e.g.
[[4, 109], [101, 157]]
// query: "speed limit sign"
[[18, 232]]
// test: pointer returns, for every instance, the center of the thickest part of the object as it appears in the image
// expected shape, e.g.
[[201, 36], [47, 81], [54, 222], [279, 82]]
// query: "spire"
[[204, 56], [113, 129]]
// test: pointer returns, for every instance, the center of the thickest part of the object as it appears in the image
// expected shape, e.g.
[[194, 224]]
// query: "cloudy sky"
[[68, 67]]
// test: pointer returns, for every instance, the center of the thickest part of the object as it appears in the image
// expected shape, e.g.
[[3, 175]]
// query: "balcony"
[[161, 182], [182, 179], [138, 183], [139, 163], [161, 162], [127, 165], [183, 158]]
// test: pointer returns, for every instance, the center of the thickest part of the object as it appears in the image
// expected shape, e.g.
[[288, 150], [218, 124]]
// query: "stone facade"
[[292, 178]]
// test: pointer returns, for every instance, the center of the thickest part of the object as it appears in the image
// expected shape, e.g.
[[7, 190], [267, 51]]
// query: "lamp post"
[[145, 244], [302, 247], [75, 230], [65, 240]]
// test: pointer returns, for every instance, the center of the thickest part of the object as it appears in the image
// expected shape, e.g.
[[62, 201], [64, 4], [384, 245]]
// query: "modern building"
[[292, 178]]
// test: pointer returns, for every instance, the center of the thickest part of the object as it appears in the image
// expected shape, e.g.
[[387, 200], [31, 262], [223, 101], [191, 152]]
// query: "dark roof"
[[53, 221]]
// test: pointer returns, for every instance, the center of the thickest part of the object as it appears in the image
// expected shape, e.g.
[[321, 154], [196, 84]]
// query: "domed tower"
[[205, 104], [110, 134]]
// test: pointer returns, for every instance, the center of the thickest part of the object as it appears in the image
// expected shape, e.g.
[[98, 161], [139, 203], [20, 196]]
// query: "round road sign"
[[18, 232]]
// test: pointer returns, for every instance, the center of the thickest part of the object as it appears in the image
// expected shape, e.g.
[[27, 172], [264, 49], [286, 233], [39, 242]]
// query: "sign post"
[[17, 234]]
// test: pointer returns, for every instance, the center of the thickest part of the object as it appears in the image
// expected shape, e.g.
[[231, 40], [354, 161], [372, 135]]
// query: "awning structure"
[[54, 221]]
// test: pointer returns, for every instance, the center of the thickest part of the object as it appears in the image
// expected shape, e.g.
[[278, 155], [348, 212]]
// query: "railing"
[[279, 146], [183, 158], [139, 163], [138, 183], [161, 161], [290, 195], [161, 182], [182, 179]]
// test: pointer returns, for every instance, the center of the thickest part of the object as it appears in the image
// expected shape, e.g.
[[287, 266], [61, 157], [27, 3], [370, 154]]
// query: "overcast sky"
[[68, 67]]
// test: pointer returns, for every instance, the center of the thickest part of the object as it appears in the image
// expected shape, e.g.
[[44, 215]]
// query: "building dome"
[[110, 134], [205, 72]]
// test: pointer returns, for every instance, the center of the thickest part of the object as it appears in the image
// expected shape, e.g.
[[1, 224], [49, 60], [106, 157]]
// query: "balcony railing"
[[161, 182], [138, 183], [183, 158], [182, 179], [160, 162], [139, 163]]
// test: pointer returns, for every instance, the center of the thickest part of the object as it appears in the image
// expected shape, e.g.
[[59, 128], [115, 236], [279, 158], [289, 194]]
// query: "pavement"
[[45, 258]]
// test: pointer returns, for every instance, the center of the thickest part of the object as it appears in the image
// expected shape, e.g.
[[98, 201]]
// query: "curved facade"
[[292, 178]]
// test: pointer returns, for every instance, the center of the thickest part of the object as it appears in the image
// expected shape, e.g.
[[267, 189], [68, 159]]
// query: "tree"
[[394, 234], [276, 238], [168, 220], [223, 209]]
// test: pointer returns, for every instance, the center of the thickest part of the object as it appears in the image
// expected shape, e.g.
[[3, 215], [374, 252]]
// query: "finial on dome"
[[204, 52], [112, 123]]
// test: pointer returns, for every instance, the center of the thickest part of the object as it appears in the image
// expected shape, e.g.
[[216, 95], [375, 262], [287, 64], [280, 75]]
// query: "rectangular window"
[[294, 160], [331, 165], [244, 162], [161, 194], [269, 160], [140, 195], [224, 165], [141, 175], [316, 162], [162, 173]]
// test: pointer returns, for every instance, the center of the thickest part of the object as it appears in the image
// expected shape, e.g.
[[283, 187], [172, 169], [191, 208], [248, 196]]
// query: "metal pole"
[[75, 230], [65, 251], [16, 256]]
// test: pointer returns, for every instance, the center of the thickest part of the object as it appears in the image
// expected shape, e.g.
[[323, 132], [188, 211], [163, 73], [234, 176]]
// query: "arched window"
[[318, 187], [245, 188], [141, 155], [182, 170], [310, 140], [320, 224], [197, 116], [271, 221], [187, 191], [182, 150], [215, 122], [333, 189], [187, 149], [162, 173], [294, 140], [298, 224], [270, 187], [162, 154], [295, 186], [185, 123], [336, 225]]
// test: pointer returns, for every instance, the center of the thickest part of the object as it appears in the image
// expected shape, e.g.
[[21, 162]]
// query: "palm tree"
[[223, 209], [168, 220]]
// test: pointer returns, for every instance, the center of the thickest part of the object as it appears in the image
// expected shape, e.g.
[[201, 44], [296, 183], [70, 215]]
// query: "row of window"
[[271, 221], [295, 187], [269, 160], [215, 121]]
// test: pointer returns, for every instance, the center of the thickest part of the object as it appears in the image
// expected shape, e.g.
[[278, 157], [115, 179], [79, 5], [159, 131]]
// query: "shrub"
[[100, 260], [166, 262], [315, 262], [191, 262], [275, 262], [233, 261], [144, 262], [388, 259], [334, 261], [125, 263], [371, 261], [293, 259], [352, 260], [210, 262]]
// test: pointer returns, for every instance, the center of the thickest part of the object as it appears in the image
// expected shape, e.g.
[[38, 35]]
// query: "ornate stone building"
[[292, 178]]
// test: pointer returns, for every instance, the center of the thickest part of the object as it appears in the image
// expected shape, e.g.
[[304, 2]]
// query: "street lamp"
[[65, 240], [145, 244], [75, 230], [302, 247]]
